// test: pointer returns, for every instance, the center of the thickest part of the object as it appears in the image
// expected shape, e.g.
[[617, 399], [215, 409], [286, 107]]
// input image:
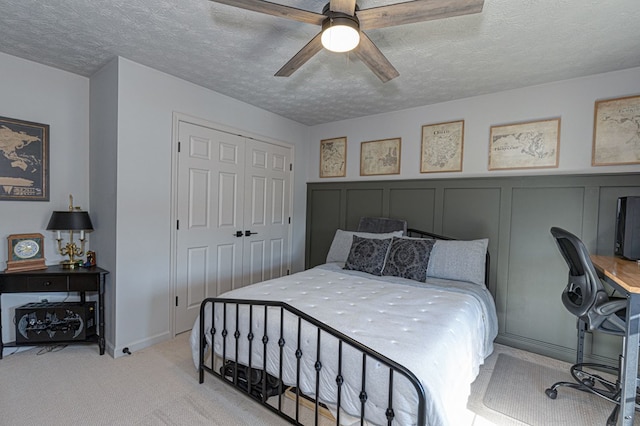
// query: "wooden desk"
[[56, 279], [624, 276]]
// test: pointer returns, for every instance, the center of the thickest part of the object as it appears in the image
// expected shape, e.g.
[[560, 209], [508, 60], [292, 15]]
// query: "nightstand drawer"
[[84, 282], [47, 283]]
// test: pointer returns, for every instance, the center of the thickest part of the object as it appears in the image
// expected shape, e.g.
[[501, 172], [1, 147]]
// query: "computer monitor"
[[627, 243]]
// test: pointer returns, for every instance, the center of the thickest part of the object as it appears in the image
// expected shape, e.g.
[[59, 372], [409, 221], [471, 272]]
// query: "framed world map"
[[24, 160]]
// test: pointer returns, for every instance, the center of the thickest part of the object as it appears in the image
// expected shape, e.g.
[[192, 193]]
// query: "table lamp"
[[72, 220]]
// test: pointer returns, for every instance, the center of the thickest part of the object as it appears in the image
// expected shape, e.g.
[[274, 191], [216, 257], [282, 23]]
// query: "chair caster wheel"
[[589, 383], [551, 393]]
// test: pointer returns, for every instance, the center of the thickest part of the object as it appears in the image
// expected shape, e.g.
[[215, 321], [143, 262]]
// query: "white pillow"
[[341, 244], [459, 260]]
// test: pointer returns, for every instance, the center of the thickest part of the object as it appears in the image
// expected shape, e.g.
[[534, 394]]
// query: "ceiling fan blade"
[[276, 10], [306, 53], [416, 11], [344, 6], [369, 53]]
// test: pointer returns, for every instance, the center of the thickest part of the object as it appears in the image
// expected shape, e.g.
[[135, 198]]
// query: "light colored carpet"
[[159, 386], [155, 386]]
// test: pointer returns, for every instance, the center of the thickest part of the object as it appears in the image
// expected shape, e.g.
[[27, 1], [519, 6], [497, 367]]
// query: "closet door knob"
[[238, 234], [249, 233]]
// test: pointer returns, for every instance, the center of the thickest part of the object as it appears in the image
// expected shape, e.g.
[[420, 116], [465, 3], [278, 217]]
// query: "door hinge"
[[178, 146], [176, 300], [178, 225], [290, 167], [289, 221], [288, 272]]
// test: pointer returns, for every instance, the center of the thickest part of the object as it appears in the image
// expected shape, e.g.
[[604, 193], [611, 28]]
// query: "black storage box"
[[44, 322]]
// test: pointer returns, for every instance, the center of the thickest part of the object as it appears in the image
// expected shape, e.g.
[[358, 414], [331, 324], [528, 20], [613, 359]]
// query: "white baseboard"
[[132, 347]]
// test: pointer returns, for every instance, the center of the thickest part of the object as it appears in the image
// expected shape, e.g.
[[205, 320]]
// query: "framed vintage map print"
[[616, 132], [529, 145], [24, 160], [333, 157], [380, 157], [441, 149]]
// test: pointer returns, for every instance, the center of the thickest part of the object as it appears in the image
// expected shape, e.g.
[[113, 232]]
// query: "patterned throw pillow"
[[367, 255], [342, 240], [408, 258]]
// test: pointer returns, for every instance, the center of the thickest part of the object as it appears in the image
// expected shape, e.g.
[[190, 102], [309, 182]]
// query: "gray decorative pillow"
[[367, 255], [408, 258], [459, 260], [341, 244]]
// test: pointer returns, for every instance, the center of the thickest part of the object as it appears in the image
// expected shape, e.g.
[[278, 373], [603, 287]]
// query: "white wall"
[[103, 177], [129, 162], [34, 92], [129, 167], [147, 100], [572, 100]]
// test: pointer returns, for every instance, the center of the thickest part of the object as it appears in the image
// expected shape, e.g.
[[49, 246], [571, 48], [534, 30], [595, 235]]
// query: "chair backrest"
[[382, 224], [584, 291]]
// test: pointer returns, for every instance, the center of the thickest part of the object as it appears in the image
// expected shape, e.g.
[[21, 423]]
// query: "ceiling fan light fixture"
[[340, 34]]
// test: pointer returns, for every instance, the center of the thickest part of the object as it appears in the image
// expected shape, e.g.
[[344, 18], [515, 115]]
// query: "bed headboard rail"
[[381, 225]]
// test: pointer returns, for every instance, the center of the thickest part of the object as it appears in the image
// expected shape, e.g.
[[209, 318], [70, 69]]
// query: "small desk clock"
[[25, 252]]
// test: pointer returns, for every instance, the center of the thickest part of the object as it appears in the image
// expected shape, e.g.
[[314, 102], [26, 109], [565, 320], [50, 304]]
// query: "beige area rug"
[[524, 383]]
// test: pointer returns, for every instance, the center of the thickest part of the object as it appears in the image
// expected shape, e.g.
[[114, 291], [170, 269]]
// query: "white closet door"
[[210, 212], [266, 211]]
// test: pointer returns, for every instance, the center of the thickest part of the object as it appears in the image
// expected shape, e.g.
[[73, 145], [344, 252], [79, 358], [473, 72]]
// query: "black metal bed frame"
[[368, 355], [241, 379]]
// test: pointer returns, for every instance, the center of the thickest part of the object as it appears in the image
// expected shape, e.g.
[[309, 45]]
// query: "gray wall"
[[527, 272]]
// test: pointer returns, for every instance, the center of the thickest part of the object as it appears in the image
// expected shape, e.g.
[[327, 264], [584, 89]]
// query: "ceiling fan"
[[343, 24]]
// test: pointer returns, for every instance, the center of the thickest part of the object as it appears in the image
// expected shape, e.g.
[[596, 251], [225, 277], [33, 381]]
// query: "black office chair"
[[585, 297]]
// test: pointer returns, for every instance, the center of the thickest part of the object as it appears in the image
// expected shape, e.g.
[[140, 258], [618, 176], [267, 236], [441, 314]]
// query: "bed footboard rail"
[[234, 339]]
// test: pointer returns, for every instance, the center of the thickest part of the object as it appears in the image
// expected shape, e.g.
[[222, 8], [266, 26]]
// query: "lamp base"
[[68, 264]]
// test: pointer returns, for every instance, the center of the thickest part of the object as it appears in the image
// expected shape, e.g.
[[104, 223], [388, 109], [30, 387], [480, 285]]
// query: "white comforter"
[[441, 331]]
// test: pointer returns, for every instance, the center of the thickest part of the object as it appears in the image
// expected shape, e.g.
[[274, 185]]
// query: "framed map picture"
[[333, 157], [533, 144], [616, 132], [441, 149], [380, 157], [24, 160]]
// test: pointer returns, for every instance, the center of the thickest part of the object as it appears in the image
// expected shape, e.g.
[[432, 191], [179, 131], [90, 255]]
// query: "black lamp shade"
[[70, 220]]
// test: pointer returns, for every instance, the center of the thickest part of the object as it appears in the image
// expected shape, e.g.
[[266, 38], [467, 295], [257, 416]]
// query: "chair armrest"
[[612, 306]]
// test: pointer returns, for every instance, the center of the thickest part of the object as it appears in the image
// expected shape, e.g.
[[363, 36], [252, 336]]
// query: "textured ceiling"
[[511, 44]]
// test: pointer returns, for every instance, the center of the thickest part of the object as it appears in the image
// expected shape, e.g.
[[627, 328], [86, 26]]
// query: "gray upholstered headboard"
[[380, 225]]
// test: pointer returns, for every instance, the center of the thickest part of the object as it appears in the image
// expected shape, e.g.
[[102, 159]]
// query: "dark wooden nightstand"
[[56, 279]]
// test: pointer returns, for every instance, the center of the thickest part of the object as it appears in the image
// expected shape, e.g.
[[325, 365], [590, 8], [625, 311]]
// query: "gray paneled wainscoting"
[[527, 273]]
